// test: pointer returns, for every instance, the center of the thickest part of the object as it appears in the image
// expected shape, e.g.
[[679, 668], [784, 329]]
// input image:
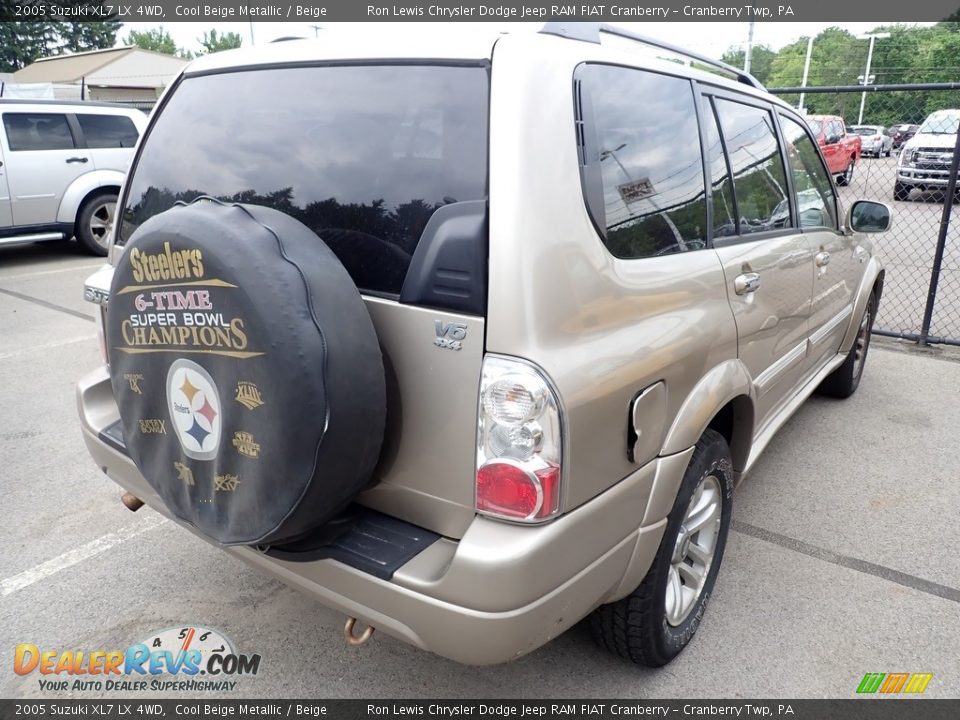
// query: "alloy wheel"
[[101, 222], [694, 550]]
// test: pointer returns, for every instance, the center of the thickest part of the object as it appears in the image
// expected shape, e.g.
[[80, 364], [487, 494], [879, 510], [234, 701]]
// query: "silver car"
[[876, 140], [61, 167], [475, 339]]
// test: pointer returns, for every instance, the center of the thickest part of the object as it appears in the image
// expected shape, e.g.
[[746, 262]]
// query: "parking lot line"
[[72, 557], [894, 576], [44, 303], [71, 268], [47, 346]]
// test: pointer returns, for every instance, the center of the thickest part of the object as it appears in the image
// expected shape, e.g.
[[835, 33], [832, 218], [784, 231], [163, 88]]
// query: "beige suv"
[[472, 338]]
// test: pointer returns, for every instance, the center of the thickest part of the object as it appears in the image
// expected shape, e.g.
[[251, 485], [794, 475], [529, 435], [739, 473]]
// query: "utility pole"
[[749, 52], [251, 32], [316, 30], [866, 74]]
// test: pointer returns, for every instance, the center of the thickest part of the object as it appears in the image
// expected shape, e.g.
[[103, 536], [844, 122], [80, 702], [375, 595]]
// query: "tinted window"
[[758, 175], [37, 131], [724, 210], [816, 203], [644, 145], [108, 131], [361, 155]]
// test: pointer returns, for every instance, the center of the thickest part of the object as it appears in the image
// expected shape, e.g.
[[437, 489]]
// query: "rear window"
[[815, 126], [108, 131], [362, 155]]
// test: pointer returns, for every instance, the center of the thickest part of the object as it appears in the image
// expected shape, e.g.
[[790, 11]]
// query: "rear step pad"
[[374, 543]]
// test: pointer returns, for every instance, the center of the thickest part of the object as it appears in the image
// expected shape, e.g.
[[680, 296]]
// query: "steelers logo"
[[194, 405]]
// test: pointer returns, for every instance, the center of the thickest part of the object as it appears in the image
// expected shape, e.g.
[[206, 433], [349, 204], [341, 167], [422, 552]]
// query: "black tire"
[[95, 222], [844, 381], [900, 191], [847, 177], [637, 627]]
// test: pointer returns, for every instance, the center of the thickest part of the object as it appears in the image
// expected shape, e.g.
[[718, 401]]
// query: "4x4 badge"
[[450, 335]]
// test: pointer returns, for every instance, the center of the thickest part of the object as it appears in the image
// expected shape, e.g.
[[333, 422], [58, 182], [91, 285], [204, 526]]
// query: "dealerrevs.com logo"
[[894, 683], [185, 659]]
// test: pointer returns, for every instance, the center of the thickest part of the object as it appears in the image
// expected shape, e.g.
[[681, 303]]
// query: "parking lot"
[[842, 559], [907, 252]]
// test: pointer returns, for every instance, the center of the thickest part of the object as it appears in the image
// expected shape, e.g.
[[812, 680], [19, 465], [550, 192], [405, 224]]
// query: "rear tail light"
[[519, 443], [96, 290]]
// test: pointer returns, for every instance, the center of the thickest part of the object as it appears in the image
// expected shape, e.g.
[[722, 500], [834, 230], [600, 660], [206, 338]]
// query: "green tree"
[[157, 40], [212, 42], [910, 55], [21, 43], [761, 61]]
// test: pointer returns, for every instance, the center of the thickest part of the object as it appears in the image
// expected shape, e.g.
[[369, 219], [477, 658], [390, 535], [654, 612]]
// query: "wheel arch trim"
[[82, 188], [727, 384], [872, 278]]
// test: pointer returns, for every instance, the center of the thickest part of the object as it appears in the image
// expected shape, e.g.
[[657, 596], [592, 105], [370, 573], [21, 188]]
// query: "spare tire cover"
[[246, 369]]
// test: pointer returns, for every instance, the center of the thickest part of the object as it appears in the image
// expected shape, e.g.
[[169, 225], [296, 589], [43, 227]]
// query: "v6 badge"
[[450, 335]]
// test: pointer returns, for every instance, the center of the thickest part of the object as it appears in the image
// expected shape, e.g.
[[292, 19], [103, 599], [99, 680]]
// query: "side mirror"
[[867, 216]]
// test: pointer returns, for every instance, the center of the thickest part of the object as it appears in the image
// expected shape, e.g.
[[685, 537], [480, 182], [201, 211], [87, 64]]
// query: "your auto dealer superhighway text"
[[578, 11]]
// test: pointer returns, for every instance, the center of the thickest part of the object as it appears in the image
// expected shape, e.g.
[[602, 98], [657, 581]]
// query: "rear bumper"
[[499, 592]]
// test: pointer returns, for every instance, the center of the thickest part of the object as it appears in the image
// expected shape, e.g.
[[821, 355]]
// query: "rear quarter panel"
[[602, 328]]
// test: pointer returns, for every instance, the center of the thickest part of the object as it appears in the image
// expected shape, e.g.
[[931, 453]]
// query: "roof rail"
[[590, 32]]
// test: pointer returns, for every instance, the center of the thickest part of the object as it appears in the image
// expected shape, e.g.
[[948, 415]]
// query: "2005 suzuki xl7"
[[472, 339]]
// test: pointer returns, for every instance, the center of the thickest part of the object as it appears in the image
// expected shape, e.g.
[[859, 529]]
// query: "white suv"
[[61, 167]]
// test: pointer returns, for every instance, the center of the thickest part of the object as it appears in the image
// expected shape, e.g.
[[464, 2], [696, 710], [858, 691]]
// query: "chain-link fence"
[[921, 252]]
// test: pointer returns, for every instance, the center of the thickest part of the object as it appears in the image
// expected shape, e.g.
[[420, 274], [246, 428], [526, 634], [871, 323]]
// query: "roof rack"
[[55, 101], [590, 32]]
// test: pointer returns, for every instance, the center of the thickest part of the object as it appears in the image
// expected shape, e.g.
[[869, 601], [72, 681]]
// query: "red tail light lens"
[[509, 490]]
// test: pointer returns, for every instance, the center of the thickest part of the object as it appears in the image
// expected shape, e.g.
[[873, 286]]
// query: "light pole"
[[747, 56], [806, 71], [866, 74]]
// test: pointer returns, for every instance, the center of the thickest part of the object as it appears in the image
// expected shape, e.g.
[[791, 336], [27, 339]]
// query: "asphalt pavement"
[[842, 559], [907, 251]]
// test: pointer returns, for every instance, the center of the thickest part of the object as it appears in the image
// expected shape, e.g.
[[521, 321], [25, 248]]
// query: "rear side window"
[[724, 209], [37, 131], [759, 179], [640, 143], [108, 131], [362, 155]]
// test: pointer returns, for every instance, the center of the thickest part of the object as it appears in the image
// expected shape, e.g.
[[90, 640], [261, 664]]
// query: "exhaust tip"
[[356, 640], [131, 501]]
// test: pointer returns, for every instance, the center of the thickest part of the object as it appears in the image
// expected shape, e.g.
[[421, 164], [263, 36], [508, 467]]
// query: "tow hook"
[[131, 501], [356, 640]]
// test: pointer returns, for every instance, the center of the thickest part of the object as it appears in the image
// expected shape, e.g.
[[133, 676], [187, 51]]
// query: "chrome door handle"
[[747, 283], [822, 259]]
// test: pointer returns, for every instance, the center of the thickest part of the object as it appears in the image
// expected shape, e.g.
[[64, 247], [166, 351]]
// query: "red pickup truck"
[[840, 149]]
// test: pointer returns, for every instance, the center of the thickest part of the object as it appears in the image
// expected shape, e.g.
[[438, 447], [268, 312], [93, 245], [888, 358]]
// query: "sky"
[[711, 39]]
